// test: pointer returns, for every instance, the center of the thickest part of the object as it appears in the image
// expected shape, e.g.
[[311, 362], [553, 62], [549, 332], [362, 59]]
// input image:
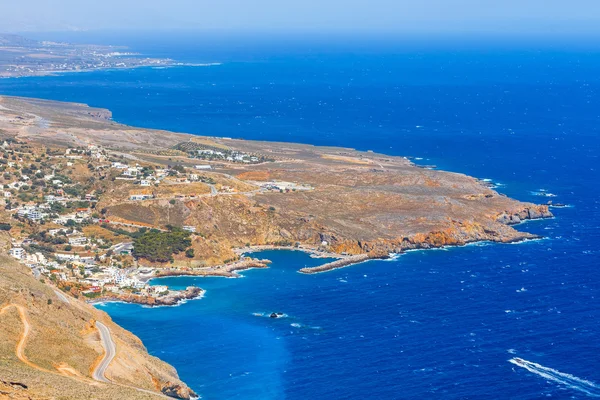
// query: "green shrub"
[[159, 246]]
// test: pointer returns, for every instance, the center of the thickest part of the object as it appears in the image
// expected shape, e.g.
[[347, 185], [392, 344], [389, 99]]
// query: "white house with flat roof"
[[17, 252], [78, 241], [139, 197]]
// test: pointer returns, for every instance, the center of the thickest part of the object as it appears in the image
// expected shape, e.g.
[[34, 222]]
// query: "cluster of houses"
[[93, 151], [78, 262], [115, 280], [231, 156], [43, 211], [281, 186], [141, 177], [97, 277], [38, 263]]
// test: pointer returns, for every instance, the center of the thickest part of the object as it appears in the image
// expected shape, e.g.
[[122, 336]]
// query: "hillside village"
[[51, 198]]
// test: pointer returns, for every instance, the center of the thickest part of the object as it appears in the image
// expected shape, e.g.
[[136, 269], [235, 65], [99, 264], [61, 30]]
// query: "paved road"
[[61, 296], [110, 351]]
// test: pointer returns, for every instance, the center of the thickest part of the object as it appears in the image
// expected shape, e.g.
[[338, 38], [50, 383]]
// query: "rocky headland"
[[332, 202]]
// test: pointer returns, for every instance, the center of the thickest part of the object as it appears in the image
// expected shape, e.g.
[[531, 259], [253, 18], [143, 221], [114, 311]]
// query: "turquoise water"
[[219, 343], [433, 324]]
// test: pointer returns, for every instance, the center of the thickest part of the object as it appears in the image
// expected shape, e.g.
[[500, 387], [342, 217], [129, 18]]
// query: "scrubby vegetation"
[[159, 246]]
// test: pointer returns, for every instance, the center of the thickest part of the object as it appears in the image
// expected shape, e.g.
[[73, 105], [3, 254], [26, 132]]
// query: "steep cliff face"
[[50, 346], [457, 234]]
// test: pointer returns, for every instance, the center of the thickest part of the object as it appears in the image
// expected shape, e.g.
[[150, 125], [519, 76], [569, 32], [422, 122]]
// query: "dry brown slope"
[[361, 203], [63, 346]]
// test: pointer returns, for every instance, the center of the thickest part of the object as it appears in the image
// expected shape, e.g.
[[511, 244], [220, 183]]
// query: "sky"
[[387, 16]]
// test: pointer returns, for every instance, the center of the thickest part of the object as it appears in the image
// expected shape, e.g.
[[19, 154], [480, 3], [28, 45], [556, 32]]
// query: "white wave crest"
[[568, 380]]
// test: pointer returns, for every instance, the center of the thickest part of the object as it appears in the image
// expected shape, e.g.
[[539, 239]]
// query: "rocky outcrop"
[[99, 113], [171, 299], [178, 391], [533, 212]]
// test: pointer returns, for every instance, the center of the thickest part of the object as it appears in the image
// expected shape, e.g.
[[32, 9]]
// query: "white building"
[[78, 241], [203, 167], [50, 199], [119, 165], [37, 258], [133, 171], [140, 197], [189, 228], [159, 288], [68, 256], [17, 252], [30, 212], [118, 277]]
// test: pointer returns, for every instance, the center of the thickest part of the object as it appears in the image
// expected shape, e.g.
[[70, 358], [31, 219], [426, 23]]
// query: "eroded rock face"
[[533, 212], [100, 114], [177, 391]]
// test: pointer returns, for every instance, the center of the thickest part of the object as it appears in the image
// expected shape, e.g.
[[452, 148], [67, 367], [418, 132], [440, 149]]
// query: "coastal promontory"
[[94, 210]]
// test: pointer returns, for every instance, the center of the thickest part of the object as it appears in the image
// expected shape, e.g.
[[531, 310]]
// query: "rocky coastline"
[[356, 212], [171, 299], [177, 391], [461, 236], [226, 270]]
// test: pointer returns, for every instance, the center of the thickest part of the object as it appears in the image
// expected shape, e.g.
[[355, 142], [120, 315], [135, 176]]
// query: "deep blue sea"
[[431, 324]]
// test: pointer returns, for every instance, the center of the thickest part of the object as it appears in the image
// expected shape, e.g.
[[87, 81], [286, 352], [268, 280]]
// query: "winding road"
[[98, 374], [110, 351], [61, 296]]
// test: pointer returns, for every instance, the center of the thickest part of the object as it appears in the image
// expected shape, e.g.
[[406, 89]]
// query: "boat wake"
[[570, 381]]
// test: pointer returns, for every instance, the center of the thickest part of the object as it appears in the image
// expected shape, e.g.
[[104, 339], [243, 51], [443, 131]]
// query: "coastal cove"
[[439, 323], [228, 337]]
